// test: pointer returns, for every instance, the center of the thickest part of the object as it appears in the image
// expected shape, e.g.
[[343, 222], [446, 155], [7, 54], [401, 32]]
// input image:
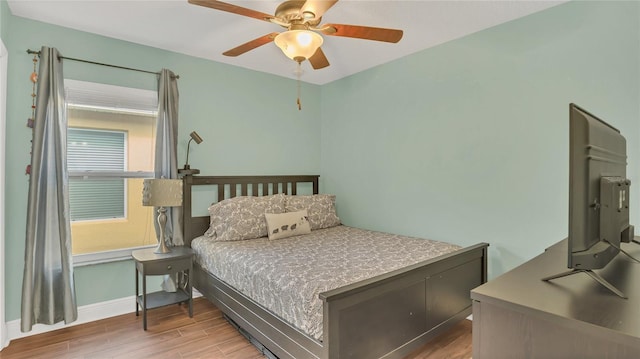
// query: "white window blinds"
[[81, 94], [90, 152]]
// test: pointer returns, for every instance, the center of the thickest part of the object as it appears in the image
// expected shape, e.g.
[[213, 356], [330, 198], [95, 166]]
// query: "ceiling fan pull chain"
[[299, 73]]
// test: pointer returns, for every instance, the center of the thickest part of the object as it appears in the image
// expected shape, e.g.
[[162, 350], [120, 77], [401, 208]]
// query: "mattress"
[[285, 276]]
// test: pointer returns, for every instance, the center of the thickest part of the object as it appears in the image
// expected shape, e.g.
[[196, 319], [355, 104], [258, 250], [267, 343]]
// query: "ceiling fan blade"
[[318, 60], [362, 32], [222, 6], [248, 46], [317, 7]]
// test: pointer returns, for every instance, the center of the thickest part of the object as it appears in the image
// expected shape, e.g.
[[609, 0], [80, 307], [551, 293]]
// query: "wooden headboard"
[[232, 186]]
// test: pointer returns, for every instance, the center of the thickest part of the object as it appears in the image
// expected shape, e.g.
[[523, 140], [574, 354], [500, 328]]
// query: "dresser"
[[517, 315]]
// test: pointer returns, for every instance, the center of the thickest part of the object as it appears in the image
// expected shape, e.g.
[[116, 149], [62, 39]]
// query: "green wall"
[[248, 120], [468, 141], [4, 13]]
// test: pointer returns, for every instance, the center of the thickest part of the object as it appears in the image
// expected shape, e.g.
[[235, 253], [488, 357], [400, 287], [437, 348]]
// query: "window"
[[110, 149]]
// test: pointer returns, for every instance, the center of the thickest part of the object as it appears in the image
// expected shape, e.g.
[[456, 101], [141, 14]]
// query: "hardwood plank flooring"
[[172, 334]]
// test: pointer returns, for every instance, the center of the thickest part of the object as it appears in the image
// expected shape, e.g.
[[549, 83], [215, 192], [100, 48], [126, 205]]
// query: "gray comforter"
[[286, 275]]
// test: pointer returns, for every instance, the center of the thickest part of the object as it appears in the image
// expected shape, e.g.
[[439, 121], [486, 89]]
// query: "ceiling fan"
[[301, 40]]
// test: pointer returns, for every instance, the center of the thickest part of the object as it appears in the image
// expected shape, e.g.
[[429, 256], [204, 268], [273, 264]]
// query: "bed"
[[386, 315]]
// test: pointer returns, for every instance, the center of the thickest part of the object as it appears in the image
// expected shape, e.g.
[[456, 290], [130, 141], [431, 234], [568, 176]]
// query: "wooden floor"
[[172, 334]]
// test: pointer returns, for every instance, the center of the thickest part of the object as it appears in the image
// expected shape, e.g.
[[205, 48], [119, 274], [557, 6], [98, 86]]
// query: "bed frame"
[[388, 316]]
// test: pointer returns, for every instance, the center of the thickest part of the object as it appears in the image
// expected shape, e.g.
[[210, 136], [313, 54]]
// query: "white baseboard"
[[86, 314]]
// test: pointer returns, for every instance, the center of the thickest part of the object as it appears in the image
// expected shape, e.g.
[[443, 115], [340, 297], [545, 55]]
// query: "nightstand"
[[180, 259]]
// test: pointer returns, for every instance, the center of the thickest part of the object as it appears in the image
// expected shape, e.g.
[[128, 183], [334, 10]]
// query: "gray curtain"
[[48, 291], [166, 156]]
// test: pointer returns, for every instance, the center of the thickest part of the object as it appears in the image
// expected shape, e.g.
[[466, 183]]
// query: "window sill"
[[88, 259]]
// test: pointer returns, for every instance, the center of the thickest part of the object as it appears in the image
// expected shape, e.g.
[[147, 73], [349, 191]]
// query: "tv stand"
[[591, 274], [516, 315]]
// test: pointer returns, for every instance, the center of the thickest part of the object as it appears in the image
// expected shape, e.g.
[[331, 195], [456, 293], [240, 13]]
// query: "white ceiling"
[[193, 30]]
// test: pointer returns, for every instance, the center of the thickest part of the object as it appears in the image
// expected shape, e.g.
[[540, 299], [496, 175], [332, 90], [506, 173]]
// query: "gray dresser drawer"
[[161, 267]]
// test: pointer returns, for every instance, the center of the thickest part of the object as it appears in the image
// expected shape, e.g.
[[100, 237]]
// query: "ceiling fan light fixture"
[[298, 44]]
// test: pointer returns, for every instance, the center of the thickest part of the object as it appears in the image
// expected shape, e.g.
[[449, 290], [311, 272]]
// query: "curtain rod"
[[33, 52]]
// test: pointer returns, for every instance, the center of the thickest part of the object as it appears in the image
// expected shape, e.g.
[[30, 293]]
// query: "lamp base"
[[162, 222], [162, 248]]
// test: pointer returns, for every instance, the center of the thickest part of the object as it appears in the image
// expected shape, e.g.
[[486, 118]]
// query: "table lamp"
[[161, 192]]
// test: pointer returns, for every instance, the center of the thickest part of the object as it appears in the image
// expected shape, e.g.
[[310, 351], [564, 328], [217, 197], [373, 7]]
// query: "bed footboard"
[[390, 316]]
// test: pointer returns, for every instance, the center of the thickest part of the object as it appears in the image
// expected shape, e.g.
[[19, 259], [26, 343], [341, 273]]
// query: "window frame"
[[83, 93]]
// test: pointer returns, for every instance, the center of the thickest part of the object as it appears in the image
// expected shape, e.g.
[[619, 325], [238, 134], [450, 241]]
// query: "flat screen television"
[[598, 195]]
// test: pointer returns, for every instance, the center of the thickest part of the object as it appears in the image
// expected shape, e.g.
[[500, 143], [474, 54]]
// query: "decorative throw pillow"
[[289, 224], [320, 207], [239, 218]]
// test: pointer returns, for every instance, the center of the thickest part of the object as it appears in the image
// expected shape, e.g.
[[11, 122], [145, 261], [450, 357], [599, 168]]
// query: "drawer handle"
[[169, 267]]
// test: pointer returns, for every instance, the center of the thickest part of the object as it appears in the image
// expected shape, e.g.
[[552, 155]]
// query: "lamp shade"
[[196, 137], [160, 192], [298, 45]]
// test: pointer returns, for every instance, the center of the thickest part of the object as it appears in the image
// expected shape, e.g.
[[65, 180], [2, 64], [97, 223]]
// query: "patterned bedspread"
[[286, 275]]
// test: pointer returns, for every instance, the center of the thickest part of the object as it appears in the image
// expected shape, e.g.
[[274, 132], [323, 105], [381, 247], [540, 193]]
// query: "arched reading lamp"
[[187, 169]]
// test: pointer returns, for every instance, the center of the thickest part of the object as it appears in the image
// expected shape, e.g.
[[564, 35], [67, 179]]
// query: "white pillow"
[[288, 224]]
